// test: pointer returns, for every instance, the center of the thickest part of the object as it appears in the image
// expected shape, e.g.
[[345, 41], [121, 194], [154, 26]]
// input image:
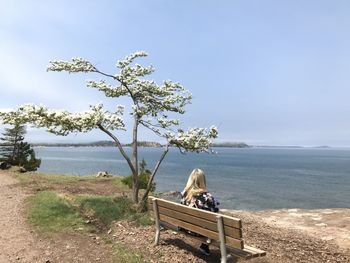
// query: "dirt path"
[[17, 242]]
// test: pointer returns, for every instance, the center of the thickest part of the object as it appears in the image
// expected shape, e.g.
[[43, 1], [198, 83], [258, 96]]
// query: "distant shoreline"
[[158, 145], [140, 144]]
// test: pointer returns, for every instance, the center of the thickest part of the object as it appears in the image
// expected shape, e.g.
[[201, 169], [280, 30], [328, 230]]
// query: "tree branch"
[[121, 82], [120, 147], [132, 95], [150, 181], [148, 125], [135, 176]]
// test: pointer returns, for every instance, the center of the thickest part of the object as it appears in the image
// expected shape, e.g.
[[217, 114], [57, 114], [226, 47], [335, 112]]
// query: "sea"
[[240, 178]]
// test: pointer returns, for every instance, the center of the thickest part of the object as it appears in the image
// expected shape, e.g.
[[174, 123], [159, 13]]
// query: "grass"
[[106, 209], [30, 177], [125, 254], [52, 214], [71, 183]]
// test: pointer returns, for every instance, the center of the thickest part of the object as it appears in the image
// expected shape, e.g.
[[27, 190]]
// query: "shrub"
[[144, 177]]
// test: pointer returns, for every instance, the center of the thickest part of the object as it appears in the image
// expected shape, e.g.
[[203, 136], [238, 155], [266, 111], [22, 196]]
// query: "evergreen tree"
[[15, 151]]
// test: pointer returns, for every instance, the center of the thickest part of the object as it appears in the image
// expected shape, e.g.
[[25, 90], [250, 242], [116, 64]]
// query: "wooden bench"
[[224, 231]]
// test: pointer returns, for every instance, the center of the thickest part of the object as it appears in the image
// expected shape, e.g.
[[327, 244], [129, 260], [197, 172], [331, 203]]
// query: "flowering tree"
[[151, 104]]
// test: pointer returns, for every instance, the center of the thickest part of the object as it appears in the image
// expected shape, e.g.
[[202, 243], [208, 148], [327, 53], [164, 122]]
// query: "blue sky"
[[265, 72]]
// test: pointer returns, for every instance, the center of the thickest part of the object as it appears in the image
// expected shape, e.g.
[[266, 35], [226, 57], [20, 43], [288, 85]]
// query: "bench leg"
[[222, 239], [156, 217], [156, 240]]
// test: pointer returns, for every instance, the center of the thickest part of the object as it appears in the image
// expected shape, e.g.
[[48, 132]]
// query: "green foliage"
[[50, 213], [144, 219], [15, 151], [33, 163], [144, 177]]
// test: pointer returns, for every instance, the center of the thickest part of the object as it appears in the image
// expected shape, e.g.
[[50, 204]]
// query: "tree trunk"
[[135, 175], [14, 150], [131, 163], [143, 203]]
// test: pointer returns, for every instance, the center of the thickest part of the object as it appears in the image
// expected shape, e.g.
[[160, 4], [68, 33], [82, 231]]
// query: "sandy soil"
[[20, 243]]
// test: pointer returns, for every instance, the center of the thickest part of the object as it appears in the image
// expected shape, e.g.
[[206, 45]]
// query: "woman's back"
[[203, 200]]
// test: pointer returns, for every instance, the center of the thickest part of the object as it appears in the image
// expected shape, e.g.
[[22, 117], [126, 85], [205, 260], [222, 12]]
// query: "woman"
[[196, 195]]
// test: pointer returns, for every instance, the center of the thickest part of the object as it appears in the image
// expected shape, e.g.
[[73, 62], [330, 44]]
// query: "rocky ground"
[[282, 244], [325, 224], [286, 235]]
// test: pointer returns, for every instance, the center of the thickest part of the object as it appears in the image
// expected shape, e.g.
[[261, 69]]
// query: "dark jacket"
[[202, 201]]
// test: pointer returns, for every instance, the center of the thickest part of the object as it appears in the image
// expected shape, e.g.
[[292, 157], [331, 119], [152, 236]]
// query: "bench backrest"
[[199, 221]]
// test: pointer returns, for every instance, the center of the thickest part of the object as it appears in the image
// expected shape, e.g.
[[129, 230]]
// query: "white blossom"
[[109, 90], [130, 58], [194, 139], [61, 122], [76, 65]]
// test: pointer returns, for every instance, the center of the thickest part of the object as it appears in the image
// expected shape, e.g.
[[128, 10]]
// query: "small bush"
[[144, 177]]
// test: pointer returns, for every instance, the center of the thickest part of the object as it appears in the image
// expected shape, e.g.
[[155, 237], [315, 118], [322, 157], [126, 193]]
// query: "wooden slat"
[[247, 252], [207, 215], [229, 231], [255, 251], [237, 252], [236, 243]]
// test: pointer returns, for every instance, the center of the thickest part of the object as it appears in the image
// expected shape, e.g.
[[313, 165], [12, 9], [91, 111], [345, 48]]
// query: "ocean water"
[[249, 178]]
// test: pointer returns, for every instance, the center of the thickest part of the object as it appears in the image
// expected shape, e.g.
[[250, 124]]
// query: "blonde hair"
[[196, 184]]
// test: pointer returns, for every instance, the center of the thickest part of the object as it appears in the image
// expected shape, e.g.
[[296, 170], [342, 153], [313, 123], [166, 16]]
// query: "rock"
[[22, 169], [103, 174], [19, 169]]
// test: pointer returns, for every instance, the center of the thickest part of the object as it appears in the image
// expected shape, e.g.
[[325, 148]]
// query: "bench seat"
[[224, 231]]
